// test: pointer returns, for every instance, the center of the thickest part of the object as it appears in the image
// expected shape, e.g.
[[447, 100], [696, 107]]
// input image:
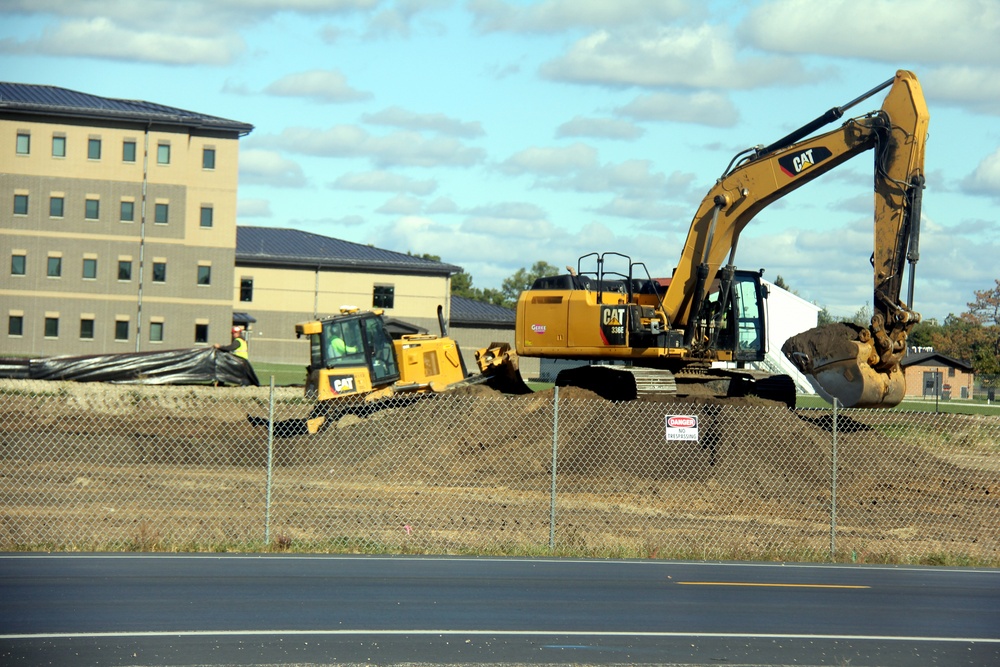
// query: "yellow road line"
[[746, 583]]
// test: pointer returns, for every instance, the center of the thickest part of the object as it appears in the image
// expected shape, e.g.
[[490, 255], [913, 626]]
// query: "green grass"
[[284, 374], [951, 407]]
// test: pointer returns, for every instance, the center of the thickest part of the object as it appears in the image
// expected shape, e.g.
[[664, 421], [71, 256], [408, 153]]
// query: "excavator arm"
[[860, 370]]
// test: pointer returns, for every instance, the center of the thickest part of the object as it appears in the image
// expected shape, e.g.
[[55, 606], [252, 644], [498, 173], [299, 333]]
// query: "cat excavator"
[[646, 336]]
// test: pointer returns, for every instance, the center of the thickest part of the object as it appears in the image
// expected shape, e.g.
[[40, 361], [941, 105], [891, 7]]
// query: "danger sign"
[[682, 427]]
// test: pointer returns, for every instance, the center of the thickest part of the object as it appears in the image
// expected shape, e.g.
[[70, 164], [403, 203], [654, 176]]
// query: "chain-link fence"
[[111, 467]]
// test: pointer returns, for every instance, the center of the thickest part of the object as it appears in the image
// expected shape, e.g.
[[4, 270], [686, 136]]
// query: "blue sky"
[[496, 133]]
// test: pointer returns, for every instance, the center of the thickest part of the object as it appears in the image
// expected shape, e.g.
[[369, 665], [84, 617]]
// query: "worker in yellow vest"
[[239, 346]]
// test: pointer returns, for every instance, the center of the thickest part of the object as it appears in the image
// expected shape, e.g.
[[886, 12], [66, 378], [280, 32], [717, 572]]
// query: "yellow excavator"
[[644, 336], [647, 336]]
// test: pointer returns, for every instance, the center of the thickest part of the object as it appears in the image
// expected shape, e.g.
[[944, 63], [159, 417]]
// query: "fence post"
[[270, 460], [833, 488], [552, 493]]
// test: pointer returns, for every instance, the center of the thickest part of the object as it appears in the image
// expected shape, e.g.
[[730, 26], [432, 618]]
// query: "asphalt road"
[[156, 609]]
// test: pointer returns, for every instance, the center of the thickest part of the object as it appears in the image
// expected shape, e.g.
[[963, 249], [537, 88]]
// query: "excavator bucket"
[[837, 358], [498, 363]]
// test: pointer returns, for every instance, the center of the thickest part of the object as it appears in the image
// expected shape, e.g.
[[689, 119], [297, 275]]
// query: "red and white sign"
[[682, 427]]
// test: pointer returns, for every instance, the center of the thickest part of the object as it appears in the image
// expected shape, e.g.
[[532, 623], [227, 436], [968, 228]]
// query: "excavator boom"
[[863, 371]]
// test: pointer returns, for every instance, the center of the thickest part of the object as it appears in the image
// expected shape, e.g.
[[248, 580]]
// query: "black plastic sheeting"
[[198, 365]]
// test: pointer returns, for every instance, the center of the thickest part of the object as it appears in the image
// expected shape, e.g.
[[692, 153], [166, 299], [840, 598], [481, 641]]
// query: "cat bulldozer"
[[357, 368], [641, 336]]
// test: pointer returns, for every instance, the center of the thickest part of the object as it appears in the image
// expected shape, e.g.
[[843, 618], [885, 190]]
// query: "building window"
[[94, 149], [204, 275], [206, 216], [128, 151], [58, 146], [52, 327], [156, 332], [87, 328], [208, 158], [201, 333], [124, 269], [159, 272], [951, 372], [56, 205], [161, 215], [163, 154], [246, 289], [15, 325], [128, 211], [54, 269], [20, 204], [121, 329], [18, 265], [23, 143], [89, 268], [93, 209], [383, 296]]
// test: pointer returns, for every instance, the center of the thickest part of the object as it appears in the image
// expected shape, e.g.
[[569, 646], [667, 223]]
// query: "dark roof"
[[468, 312], [55, 101], [273, 246], [921, 359]]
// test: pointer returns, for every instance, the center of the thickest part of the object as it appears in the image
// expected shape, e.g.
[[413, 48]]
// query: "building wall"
[[182, 243], [952, 379], [283, 297]]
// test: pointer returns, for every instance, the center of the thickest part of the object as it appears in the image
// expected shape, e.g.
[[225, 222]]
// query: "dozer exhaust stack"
[[838, 361]]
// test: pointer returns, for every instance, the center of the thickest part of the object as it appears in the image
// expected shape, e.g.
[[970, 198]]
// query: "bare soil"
[[88, 466]]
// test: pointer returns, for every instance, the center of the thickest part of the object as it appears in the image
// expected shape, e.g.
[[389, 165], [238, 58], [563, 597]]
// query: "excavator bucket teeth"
[[498, 363], [835, 359]]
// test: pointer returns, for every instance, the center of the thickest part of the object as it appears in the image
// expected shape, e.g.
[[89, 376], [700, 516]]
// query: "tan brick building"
[[929, 374], [117, 223]]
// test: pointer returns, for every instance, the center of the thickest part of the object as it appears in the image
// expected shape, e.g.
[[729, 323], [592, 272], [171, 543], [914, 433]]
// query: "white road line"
[[496, 633]]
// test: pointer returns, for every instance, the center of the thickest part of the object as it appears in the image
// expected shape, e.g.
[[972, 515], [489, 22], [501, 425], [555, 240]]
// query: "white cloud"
[[432, 122], [253, 208], [891, 31], [985, 179], [262, 167], [702, 57], [604, 128], [317, 85], [559, 160], [401, 205], [559, 15], [397, 149], [102, 38], [383, 181], [701, 108], [976, 89]]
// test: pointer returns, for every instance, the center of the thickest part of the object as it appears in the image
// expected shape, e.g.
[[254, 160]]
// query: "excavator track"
[[628, 383]]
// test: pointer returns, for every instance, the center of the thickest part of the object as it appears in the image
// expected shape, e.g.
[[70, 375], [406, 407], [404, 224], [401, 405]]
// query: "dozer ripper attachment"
[[838, 359]]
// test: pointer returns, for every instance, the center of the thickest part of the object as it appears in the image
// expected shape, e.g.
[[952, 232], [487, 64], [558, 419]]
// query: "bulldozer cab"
[[352, 351]]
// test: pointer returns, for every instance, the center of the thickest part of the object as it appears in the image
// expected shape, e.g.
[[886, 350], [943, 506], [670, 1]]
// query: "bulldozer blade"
[[498, 363], [836, 359]]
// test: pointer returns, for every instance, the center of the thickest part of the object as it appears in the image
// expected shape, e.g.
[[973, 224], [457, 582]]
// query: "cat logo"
[[793, 165], [342, 384]]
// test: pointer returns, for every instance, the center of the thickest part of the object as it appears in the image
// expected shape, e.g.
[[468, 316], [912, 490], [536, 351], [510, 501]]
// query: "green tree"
[[524, 279], [974, 336]]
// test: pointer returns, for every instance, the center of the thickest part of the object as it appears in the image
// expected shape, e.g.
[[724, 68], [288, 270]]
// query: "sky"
[[498, 133]]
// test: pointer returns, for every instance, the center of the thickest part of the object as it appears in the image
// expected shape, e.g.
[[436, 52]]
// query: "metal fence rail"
[[109, 467]]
